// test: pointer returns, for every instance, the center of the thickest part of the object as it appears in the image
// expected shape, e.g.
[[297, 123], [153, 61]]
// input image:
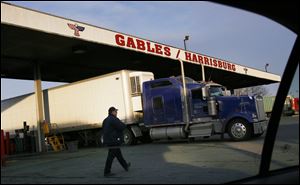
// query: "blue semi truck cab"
[[208, 110]]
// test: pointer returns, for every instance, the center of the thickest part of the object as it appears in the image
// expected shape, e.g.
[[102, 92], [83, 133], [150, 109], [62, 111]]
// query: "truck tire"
[[99, 139], [129, 138], [239, 130]]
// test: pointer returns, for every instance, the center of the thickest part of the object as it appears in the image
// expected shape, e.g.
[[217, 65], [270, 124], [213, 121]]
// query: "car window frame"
[[289, 18], [286, 174], [284, 87]]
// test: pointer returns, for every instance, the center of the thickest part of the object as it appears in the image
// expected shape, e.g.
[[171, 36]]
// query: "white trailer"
[[80, 107]]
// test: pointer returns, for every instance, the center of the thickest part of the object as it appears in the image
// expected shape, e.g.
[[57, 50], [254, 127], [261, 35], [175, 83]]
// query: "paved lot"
[[204, 161]]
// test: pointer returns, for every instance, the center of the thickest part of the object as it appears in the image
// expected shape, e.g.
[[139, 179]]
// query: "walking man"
[[112, 138]]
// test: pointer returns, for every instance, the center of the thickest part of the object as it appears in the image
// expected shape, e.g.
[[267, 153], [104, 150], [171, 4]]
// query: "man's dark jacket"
[[113, 131]]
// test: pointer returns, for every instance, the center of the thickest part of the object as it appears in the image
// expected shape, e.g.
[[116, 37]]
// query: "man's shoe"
[[108, 174], [128, 165]]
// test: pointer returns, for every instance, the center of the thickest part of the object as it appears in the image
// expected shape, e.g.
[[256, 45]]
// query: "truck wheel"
[[239, 129], [99, 139], [129, 138]]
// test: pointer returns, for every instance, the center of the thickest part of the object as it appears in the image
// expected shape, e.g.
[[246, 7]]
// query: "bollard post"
[[7, 143], [25, 146], [2, 149]]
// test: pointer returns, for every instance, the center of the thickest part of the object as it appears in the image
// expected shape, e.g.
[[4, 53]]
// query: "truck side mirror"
[[205, 94]]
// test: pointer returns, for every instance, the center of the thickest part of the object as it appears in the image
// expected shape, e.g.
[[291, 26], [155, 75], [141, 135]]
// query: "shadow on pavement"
[[153, 163]]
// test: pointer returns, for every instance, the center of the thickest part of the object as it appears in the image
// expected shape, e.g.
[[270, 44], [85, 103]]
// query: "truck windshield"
[[215, 91]]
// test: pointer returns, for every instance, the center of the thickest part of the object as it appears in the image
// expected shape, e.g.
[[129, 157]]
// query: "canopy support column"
[[39, 107]]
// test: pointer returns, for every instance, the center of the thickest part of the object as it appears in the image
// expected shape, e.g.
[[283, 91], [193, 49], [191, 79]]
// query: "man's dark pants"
[[112, 153]]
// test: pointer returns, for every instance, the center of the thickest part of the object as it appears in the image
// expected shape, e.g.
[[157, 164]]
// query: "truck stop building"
[[39, 46]]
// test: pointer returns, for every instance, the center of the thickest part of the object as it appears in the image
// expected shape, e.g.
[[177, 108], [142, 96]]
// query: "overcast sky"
[[223, 32]]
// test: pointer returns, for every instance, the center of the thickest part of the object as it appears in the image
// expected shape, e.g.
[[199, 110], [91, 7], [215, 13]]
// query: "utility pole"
[[266, 66]]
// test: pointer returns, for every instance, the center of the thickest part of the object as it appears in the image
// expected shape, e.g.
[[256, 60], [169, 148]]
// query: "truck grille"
[[260, 108]]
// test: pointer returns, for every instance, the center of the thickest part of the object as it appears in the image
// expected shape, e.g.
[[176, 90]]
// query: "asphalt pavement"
[[174, 162]]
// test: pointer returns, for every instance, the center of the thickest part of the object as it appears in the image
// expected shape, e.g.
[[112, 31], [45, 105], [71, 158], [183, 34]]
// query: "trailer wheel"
[[239, 129], [129, 138], [99, 139]]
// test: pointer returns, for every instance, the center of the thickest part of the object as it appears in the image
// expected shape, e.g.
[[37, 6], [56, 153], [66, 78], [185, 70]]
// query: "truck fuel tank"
[[212, 106], [167, 132]]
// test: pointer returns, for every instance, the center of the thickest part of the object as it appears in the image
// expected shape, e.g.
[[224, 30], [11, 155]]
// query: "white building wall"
[[15, 111]]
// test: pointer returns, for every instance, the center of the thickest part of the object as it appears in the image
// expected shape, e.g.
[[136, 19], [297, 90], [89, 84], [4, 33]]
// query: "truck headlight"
[[254, 115]]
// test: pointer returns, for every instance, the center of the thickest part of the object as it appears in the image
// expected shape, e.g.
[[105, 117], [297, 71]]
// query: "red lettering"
[[143, 45], [149, 47], [210, 61], [130, 43], [229, 66], [188, 56], [215, 63], [120, 40], [167, 51], [158, 49], [206, 60], [140, 44], [195, 58], [200, 59], [233, 67], [219, 63], [225, 65]]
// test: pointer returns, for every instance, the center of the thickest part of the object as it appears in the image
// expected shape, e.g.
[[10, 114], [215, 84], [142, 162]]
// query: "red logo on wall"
[[76, 29]]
